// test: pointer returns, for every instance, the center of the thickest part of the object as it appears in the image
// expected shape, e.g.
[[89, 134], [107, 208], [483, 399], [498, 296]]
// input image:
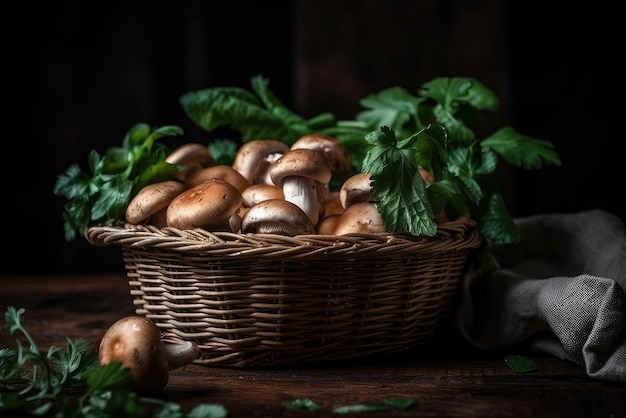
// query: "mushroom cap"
[[356, 188], [193, 156], [135, 342], [335, 151], [332, 205], [208, 205], [360, 218], [328, 224], [302, 163], [250, 155], [190, 154], [276, 216], [152, 198], [220, 172], [259, 192]]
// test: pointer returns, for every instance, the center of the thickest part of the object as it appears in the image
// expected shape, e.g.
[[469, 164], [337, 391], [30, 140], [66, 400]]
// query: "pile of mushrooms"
[[269, 188]]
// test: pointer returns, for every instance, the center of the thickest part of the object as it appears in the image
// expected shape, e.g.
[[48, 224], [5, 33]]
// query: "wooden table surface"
[[444, 378]]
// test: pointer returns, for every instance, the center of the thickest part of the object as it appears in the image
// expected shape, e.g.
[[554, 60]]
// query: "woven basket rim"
[[461, 233]]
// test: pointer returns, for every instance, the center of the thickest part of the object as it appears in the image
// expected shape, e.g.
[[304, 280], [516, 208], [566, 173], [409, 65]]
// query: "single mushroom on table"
[[303, 175], [208, 205], [135, 342]]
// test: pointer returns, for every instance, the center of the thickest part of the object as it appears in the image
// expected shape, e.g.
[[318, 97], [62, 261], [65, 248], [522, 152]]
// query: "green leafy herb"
[[223, 151], [397, 186], [399, 403], [396, 137], [465, 168], [357, 409], [463, 164], [520, 364], [302, 403], [100, 196], [69, 382], [260, 114]]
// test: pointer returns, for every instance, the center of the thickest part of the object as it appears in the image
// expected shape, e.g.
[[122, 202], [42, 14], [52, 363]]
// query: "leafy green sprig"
[[70, 383], [464, 164], [400, 126], [397, 134], [100, 195]]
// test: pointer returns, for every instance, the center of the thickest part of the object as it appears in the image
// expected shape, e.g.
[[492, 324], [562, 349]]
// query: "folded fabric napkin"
[[563, 296]]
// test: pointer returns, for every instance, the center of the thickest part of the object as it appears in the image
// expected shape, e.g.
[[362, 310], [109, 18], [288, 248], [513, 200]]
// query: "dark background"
[[77, 76]]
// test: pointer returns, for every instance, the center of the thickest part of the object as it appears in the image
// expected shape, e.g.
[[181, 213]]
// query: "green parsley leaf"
[[520, 364], [397, 187], [399, 403], [208, 411], [394, 107], [302, 403], [521, 150], [69, 382], [357, 409], [100, 197], [223, 151]]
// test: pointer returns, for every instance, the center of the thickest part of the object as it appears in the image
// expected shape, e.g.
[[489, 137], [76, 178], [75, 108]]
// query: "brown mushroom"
[[220, 172], [208, 205], [193, 156], [179, 353], [135, 342], [252, 154], [190, 154], [151, 199], [259, 192], [276, 216], [361, 218], [355, 189], [332, 205], [328, 224], [303, 175], [334, 150]]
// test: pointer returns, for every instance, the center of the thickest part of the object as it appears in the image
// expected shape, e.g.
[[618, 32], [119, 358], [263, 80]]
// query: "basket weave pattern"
[[269, 300]]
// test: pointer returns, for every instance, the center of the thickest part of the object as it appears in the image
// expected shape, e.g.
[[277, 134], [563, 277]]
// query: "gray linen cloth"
[[564, 295]]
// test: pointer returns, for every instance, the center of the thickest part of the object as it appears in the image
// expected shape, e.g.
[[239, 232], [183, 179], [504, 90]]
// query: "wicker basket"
[[269, 300]]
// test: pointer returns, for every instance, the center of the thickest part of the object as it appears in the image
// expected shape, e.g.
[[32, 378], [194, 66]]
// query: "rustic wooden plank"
[[444, 378]]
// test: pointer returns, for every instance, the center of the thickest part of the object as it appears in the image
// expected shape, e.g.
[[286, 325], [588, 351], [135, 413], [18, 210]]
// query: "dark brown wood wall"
[[77, 77]]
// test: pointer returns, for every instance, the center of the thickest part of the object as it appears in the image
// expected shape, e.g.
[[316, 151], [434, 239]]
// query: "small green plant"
[[70, 383], [520, 364]]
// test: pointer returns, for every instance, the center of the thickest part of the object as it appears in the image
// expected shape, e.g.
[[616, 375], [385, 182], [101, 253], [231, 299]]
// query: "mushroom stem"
[[302, 192], [180, 354]]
